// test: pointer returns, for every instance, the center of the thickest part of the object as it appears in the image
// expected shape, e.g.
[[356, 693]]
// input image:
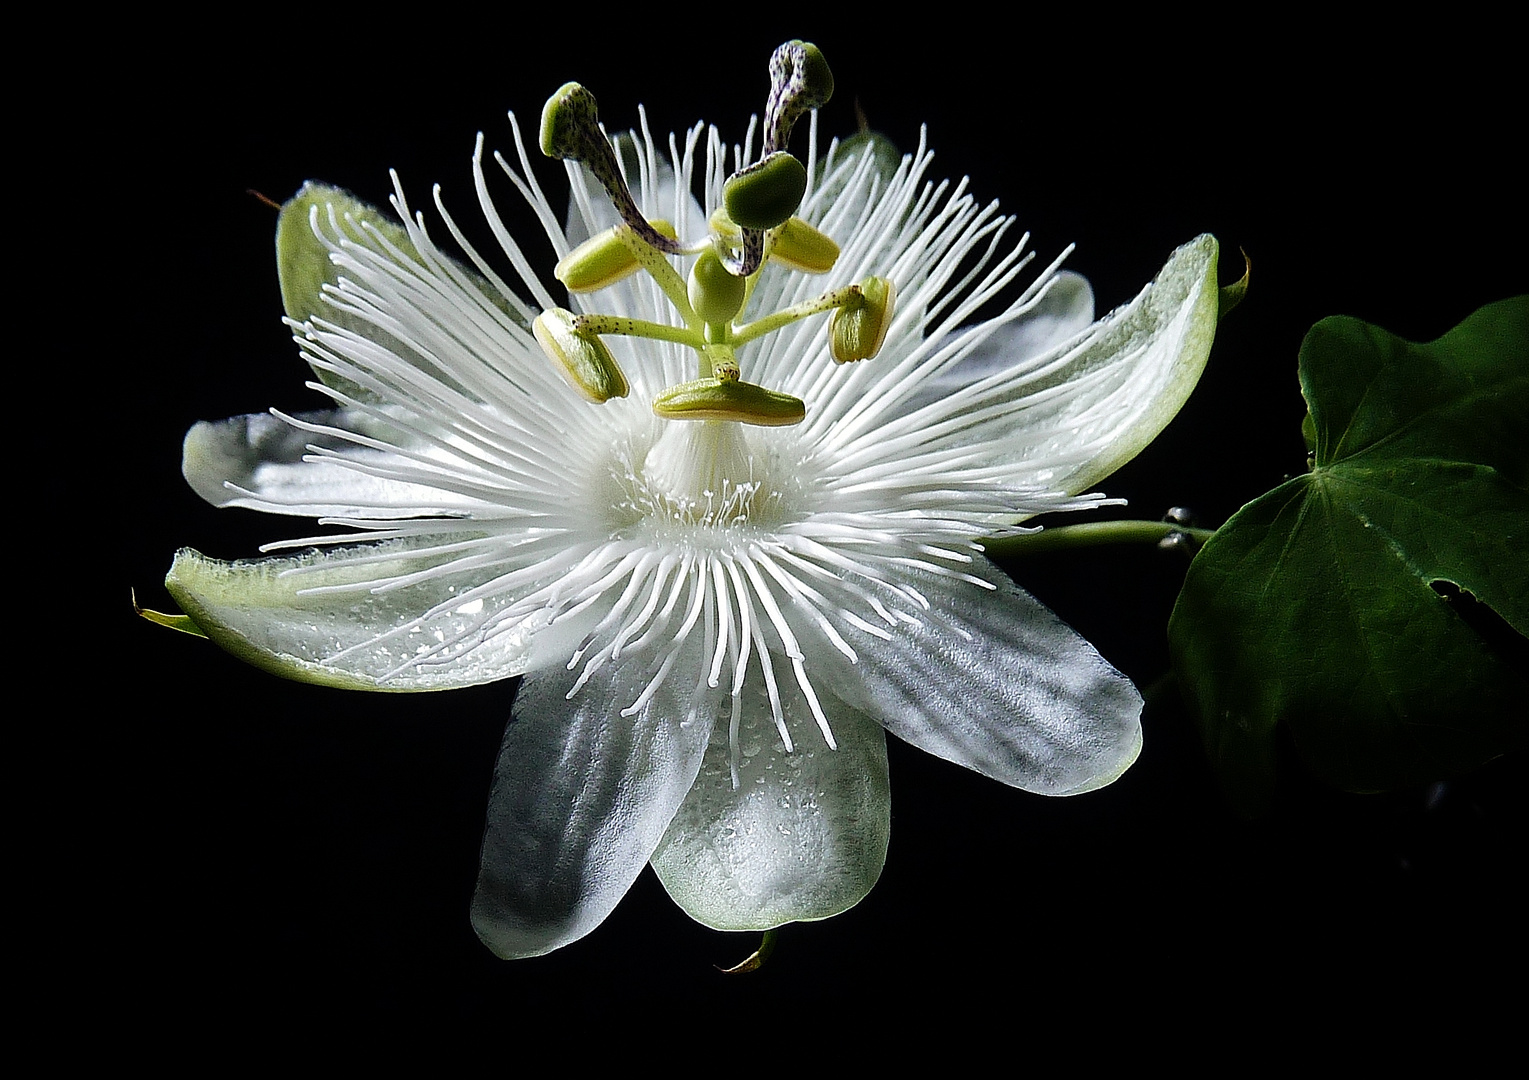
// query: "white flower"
[[716, 621]]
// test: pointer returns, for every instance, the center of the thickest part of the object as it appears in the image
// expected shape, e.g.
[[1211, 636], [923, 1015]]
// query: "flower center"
[[701, 478], [756, 224]]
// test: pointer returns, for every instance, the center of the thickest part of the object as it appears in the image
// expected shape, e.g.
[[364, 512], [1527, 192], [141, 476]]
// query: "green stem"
[[623, 327], [755, 960], [1092, 534], [665, 276]]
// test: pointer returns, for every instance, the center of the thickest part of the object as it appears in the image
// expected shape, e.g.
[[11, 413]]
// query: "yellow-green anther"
[[583, 358], [857, 330], [766, 193], [715, 294], [800, 246], [796, 245], [602, 260], [723, 225], [571, 131], [714, 399], [799, 80]]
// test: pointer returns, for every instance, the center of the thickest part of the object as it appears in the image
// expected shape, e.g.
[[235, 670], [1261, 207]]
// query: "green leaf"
[[183, 623], [1376, 606]]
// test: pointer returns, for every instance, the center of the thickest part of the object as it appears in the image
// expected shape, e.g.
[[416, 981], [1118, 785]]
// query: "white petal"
[[355, 637], [1093, 406], [997, 683], [581, 797], [1160, 343], [803, 837], [262, 457], [1065, 419]]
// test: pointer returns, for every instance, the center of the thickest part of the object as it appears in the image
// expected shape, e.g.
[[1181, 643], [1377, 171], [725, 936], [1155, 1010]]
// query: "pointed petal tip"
[[225, 601], [1166, 335], [176, 621]]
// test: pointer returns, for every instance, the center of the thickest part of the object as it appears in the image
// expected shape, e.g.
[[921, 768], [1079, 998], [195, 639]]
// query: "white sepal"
[[803, 836], [581, 797], [994, 681], [311, 617]]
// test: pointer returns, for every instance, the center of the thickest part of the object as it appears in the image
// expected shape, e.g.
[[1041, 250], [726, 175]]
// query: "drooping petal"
[[581, 797], [994, 681], [261, 456], [804, 835], [347, 635]]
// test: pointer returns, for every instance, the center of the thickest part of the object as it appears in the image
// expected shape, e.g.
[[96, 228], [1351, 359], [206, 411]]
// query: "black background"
[[259, 856]]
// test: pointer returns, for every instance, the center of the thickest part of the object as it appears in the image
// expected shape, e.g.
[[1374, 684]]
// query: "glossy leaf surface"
[[1378, 604]]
